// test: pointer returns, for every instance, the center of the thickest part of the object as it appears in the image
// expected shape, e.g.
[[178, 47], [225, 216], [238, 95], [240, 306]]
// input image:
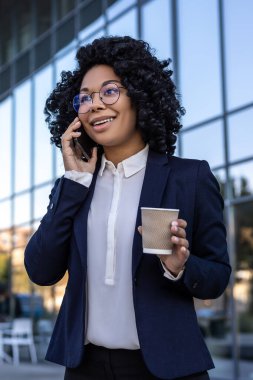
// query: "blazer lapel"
[[154, 184]]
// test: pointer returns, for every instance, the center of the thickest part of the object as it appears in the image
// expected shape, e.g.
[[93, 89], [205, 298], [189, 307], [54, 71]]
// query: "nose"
[[96, 102]]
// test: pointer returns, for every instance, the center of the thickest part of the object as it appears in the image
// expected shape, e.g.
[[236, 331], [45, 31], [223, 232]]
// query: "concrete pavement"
[[49, 371], [27, 371]]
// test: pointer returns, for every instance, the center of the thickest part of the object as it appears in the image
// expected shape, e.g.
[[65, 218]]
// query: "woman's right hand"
[[71, 157]]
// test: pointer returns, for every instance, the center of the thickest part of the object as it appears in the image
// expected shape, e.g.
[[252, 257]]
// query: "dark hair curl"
[[148, 83]]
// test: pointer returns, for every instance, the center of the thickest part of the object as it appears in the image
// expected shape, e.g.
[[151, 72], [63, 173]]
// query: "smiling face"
[[112, 126]]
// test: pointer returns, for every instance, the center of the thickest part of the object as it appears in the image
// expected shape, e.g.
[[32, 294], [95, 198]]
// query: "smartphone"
[[84, 144]]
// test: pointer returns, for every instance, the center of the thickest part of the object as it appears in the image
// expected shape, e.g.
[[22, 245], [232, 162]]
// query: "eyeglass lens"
[[108, 94]]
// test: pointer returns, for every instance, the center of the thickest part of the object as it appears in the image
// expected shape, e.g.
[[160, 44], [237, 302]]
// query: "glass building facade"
[[210, 43]]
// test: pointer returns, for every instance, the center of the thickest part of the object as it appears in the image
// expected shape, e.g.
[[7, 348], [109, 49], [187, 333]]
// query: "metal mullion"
[[175, 51], [229, 195], [139, 19]]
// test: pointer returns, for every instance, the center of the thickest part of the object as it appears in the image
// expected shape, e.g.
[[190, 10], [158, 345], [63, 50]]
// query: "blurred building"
[[210, 43]]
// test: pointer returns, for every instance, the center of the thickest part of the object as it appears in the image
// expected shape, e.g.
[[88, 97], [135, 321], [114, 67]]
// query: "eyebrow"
[[103, 84]]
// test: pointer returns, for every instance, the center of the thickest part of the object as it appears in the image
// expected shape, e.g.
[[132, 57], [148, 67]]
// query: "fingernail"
[[174, 223], [175, 239]]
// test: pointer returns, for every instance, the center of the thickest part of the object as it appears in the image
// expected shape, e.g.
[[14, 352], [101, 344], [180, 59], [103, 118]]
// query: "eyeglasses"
[[108, 94]]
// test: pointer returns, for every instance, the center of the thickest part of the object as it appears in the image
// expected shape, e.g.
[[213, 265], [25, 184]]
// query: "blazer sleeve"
[[46, 254], [207, 270]]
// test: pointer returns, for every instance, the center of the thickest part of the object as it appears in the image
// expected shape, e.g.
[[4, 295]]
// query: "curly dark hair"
[[148, 83]]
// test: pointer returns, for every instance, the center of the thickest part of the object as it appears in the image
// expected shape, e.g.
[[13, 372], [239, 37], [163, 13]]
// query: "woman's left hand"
[[176, 260]]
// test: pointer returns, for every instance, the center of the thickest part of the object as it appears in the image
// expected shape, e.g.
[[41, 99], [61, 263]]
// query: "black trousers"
[[105, 364]]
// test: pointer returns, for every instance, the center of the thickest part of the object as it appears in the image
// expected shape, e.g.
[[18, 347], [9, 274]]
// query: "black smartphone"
[[84, 144]]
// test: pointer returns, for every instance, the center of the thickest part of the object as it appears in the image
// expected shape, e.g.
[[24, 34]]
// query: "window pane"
[[160, 13], [24, 24], [243, 289], [6, 46], [239, 52], [125, 25], [204, 143], [21, 209], [43, 10], [65, 34], [221, 178], [22, 67], [90, 39], [20, 281], [41, 201], [5, 151], [98, 23], [90, 16], [21, 237], [242, 179], [22, 137], [5, 214], [240, 135], [5, 247], [199, 59], [43, 148], [118, 7], [63, 7], [42, 51], [65, 63]]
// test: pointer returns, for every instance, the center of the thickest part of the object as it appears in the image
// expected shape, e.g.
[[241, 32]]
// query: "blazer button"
[[51, 206], [195, 284]]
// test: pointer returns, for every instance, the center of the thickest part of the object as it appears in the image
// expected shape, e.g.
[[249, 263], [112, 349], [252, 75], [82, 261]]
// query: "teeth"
[[103, 121]]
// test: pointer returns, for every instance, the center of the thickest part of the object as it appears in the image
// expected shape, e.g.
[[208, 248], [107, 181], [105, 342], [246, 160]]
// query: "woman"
[[125, 314]]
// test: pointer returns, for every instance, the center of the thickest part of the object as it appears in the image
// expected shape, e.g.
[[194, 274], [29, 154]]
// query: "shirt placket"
[[111, 231]]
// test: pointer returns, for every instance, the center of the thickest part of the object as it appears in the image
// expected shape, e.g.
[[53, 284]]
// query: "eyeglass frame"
[[97, 92]]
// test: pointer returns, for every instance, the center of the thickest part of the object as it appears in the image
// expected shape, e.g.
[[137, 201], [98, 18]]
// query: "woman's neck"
[[120, 153]]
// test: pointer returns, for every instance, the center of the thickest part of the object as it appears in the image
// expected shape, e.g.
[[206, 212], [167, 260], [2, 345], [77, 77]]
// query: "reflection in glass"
[[98, 23], [91, 18], [67, 62], [22, 136], [125, 25], [5, 248], [241, 177], [22, 208], [63, 7], [65, 34], [159, 36], [5, 151], [240, 135], [99, 34], [43, 13], [239, 52], [24, 24], [21, 236], [20, 279], [243, 289], [6, 46], [118, 7], [41, 201], [42, 148], [221, 178], [5, 214], [204, 143], [199, 69]]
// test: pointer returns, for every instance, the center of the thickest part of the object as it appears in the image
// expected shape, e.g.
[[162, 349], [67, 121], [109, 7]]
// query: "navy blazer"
[[168, 331]]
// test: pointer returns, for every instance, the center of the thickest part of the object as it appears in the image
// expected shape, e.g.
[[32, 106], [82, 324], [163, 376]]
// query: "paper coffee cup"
[[156, 223]]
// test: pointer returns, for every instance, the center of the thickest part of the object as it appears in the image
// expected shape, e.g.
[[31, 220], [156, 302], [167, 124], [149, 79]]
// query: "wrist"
[[174, 271]]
